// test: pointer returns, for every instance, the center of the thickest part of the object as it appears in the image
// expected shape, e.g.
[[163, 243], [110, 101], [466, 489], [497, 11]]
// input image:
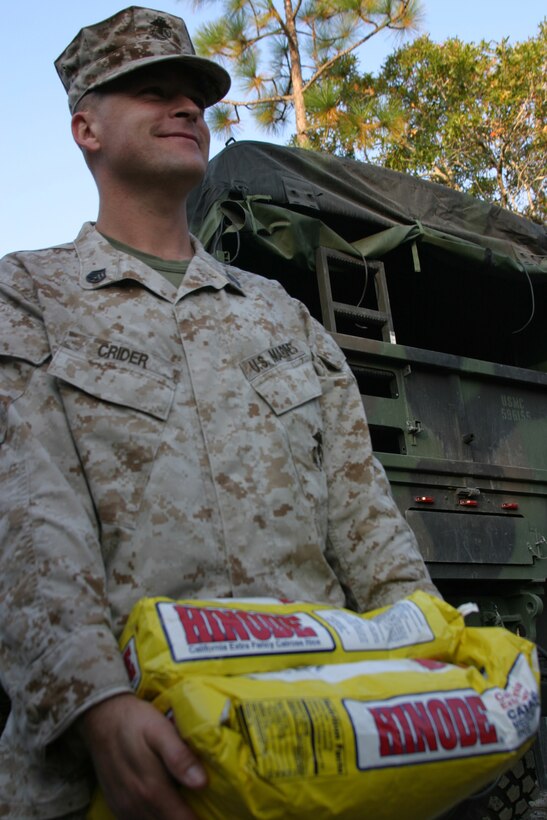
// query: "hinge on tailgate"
[[414, 428], [539, 548]]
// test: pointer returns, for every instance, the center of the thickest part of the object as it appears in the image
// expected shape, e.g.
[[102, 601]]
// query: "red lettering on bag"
[[404, 729], [299, 630], [278, 625], [421, 725], [129, 665], [487, 732], [194, 624], [233, 626], [446, 731], [219, 625], [412, 742], [256, 626], [463, 718], [214, 624], [388, 731], [413, 727]]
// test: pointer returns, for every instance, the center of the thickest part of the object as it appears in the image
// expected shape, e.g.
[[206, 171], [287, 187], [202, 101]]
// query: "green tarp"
[[292, 200]]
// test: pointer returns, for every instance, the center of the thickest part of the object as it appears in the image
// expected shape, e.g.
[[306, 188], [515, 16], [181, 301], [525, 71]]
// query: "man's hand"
[[140, 759]]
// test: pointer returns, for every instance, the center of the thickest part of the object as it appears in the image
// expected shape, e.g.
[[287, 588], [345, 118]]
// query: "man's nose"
[[185, 107]]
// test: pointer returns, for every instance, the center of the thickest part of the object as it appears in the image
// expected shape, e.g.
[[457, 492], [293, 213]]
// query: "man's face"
[[150, 127]]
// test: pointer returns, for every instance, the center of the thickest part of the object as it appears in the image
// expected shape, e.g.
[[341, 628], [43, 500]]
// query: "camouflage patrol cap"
[[131, 39]]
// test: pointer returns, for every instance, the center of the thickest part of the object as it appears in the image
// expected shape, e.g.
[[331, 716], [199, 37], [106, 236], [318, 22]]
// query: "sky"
[[46, 192]]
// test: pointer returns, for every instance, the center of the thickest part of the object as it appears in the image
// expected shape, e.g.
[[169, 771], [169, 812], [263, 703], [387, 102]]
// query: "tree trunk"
[[301, 119]]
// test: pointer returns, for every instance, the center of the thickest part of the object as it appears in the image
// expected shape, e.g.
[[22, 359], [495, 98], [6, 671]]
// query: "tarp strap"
[[416, 258]]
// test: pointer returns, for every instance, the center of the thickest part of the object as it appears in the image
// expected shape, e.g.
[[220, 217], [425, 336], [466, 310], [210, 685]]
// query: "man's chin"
[[177, 176]]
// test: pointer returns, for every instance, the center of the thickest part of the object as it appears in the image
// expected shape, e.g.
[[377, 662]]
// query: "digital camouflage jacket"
[[201, 442]]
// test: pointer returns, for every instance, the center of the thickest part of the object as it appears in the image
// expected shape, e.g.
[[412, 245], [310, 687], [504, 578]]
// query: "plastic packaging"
[[384, 737], [164, 638]]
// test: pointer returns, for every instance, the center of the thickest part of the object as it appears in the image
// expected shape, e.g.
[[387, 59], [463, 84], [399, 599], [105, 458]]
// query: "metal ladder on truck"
[[367, 321]]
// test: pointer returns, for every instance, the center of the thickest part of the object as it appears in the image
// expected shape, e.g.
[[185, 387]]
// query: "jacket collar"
[[101, 265]]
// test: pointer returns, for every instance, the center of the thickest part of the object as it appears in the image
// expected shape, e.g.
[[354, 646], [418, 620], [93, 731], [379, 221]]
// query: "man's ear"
[[84, 130]]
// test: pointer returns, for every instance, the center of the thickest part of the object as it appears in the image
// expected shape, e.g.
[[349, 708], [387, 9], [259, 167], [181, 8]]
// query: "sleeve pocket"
[[328, 351], [24, 337]]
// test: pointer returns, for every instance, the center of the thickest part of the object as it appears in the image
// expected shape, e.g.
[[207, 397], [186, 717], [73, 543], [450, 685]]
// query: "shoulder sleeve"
[[57, 652], [23, 339]]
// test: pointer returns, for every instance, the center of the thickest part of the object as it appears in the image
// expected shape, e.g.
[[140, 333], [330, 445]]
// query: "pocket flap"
[[288, 386], [115, 372], [328, 351]]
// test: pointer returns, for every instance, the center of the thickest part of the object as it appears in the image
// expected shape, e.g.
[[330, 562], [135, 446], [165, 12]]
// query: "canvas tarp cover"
[[292, 200]]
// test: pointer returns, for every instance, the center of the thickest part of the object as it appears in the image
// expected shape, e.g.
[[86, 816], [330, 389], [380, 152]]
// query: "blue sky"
[[46, 190]]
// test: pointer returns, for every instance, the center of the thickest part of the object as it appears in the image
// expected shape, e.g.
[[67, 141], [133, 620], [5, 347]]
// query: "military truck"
[[439, 302]]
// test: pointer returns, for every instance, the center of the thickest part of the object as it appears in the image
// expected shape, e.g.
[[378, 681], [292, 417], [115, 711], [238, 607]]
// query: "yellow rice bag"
[[164, 638], [366, 738], [399, 735], [383, 740]]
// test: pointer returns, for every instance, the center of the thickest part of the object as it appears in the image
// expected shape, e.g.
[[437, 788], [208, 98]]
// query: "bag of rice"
[[164, 638], [393, 735]]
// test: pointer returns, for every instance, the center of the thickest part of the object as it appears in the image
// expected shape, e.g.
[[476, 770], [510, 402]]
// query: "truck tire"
[[507, 799]]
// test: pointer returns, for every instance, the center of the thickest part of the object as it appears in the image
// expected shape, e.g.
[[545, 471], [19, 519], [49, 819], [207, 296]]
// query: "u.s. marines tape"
[[379, 737]]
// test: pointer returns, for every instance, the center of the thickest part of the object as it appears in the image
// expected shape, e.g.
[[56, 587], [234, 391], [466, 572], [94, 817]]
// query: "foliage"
[[346, 116], [472, 116], [278, 51], [476, 117]]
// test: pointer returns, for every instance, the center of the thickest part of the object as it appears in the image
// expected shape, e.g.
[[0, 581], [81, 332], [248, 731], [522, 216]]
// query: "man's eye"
[[152, 91]]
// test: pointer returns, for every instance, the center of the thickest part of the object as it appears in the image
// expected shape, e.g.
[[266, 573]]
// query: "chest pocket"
[[117, 399], [288, 386], [117, 372]]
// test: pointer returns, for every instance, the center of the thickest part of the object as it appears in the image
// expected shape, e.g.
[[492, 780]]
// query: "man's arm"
[[371, 547], [59, 659], [58, 654]]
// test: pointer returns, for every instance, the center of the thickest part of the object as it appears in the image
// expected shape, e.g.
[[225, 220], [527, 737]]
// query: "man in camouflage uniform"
[[188, 433]]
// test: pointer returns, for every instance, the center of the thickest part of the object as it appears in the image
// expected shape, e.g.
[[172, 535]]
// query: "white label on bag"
[[403, 624], [339, 672], [443, 725]]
